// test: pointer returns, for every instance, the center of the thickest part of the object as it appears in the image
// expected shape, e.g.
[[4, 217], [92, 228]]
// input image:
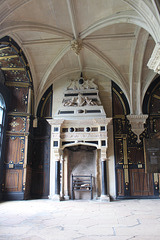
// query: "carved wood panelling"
[[120, 181], [138, 184], [14, 149], [119, 151], [16, 76], [19, 82], [156, 125], [17, 124], [136, 155], [141, 183], [154, 102], [13, 180], [19, 99]]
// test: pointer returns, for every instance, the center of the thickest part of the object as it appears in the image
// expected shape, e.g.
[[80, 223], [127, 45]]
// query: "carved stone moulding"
[[83, 122], [154, 61], [137, 124]]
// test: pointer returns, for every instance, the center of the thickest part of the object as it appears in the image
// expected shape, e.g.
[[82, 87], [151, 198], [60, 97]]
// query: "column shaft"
[[57, 177], [104, 178]]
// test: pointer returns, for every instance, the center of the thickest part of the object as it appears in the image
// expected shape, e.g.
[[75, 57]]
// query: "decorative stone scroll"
[[137, 124]]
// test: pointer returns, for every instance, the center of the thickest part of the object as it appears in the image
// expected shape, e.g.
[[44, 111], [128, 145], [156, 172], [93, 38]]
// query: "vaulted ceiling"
[[62, 38]]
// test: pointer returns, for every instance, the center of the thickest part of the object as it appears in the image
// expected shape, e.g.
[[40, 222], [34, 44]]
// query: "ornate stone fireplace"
[[79, 142]]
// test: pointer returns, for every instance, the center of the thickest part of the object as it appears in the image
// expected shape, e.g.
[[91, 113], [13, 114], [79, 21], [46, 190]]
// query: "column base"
[[55, 197], [66, 198], [105, 198]]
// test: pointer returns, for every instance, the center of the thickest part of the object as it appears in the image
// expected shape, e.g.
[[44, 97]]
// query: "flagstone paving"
[[80, 220]]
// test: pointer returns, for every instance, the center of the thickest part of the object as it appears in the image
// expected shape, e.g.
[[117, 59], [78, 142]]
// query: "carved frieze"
[[78, 135]]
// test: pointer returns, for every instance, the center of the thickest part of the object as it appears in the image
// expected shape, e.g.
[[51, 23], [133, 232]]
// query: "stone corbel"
[[154, 61], [137, 124]]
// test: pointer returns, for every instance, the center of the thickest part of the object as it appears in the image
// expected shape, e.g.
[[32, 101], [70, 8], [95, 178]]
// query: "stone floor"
[[80, 220]]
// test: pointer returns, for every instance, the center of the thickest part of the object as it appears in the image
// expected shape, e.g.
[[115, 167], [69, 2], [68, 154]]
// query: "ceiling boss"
[[76, 45]]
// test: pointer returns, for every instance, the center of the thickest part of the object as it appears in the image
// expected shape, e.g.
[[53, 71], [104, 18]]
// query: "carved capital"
[[103, 159], [56, 122], [137, 123], [154, 61]]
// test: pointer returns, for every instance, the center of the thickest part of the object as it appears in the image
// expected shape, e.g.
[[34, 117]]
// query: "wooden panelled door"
[[132, 181]]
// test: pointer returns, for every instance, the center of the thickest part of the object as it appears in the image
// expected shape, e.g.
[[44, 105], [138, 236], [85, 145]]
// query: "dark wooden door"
[[132, 181], [41, 161]]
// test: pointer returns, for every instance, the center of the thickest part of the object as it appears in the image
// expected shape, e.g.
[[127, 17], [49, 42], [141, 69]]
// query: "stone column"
[[66, 177], [62, 178], [57, 178], [104, 196]]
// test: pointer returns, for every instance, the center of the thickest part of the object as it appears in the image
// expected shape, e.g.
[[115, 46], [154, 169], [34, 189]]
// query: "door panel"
[[120, 181], [141, 183], [13, 180]]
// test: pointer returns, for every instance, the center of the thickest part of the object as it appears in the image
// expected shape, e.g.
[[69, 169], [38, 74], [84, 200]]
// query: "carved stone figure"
[[90, 102], [92, 84], [80, 100], [70, 102], [72, 85]]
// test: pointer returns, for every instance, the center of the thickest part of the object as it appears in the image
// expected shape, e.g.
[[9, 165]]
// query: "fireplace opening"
[[82, 161]]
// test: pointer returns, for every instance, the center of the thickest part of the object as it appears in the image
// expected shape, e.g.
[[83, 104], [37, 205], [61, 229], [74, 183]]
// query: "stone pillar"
[[55, 156], [104, 196]]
